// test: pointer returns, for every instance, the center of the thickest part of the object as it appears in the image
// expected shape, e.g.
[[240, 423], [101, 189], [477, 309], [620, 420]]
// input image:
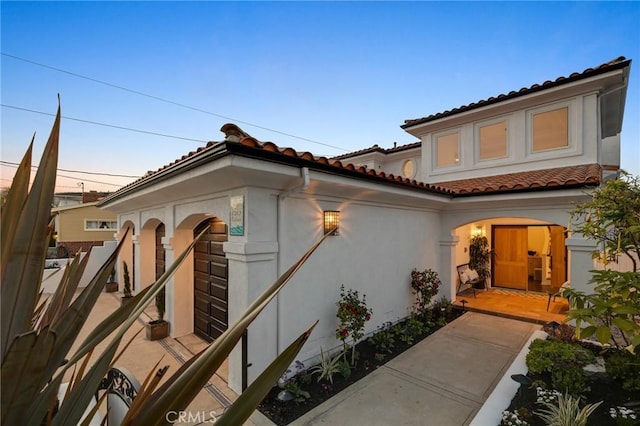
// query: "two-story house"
[[509, 167]]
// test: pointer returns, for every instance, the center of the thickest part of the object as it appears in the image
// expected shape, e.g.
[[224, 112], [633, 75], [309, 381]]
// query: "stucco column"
[[252, 268], [446, 266], [581, 262], [172, 301], [137, 278]]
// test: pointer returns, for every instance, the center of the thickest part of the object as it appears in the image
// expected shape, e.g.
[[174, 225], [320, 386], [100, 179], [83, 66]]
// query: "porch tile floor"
[[515, 304], [142, 355]]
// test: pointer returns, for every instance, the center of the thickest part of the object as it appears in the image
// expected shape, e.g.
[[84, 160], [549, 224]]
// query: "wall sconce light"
[[331, 222], [477, 231]]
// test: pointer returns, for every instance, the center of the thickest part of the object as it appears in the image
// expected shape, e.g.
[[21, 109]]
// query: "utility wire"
[[104, 124], [170, 101], [72, 177], [9, 163]]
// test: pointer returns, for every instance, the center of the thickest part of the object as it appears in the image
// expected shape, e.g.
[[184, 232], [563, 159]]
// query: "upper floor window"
[[550, 129], [100, 225], [447, 149], [493, 141]]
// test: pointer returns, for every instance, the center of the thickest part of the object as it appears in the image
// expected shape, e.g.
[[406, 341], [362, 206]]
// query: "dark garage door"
[[210, 281]]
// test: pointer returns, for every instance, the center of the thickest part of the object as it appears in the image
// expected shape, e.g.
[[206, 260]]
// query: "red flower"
[[368, 317], [344, 332]]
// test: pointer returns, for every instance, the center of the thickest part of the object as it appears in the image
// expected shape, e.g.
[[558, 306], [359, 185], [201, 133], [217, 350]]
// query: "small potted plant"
[[127, 294], [112, 285], [158, 329]]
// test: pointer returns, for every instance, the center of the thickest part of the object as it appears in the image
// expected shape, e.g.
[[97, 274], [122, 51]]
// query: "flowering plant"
[[624, 416], [425, 285], [545, 395], [518, 417], [352, 313]]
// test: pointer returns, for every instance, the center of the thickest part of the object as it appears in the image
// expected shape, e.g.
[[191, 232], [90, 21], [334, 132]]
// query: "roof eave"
[[528, 189], [214, 152], [513, 95]]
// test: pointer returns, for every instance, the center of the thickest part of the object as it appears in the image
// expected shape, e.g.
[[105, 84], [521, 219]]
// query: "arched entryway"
[[210, 281], [530, 262]]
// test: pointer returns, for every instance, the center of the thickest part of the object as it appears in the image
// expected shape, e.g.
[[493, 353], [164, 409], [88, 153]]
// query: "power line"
[[157, 98], [8, 163], [72, 177], [104, 124]]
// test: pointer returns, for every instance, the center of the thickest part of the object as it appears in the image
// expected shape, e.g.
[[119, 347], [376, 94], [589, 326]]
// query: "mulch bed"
[[600, 387], [283, 413]]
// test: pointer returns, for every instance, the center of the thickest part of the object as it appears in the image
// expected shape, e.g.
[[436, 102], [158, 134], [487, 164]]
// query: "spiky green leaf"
[[238, 413]]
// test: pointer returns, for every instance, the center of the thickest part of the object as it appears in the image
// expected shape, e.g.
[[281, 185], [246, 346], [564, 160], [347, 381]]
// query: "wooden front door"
[[510, 262], [210, 287], [558, 259]]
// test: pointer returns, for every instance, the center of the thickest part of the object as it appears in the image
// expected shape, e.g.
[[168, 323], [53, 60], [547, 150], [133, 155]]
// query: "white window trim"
[[100, 229], [476, 141], [434, 149], [572, 148]]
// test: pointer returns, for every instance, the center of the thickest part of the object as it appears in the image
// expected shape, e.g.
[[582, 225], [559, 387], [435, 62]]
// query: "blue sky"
[[343, 74]]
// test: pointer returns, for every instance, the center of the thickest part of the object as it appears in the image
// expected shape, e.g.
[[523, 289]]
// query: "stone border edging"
[[491, 411]]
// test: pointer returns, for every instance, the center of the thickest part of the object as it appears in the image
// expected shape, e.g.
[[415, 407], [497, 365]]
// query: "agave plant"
[[37, 335]]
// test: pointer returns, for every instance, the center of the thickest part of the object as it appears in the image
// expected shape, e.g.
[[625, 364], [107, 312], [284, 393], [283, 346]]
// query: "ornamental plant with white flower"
[[624, 416], [546, 395], [515, 418]]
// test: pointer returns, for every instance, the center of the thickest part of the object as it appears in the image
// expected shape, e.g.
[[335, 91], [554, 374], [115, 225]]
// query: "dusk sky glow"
[[144, 83]]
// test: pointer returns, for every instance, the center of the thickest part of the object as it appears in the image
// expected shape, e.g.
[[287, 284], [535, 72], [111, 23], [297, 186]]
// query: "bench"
[[468, 277]]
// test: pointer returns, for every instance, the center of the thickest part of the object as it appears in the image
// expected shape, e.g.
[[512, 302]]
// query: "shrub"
[[625, 366], [414, 327], [383, 339], [424, 285], [352, 313], [564, 361], [571, 379], [611, 218]]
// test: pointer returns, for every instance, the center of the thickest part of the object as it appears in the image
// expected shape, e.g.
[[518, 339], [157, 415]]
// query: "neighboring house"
[[66, 199], [509, 167], [82, 226]]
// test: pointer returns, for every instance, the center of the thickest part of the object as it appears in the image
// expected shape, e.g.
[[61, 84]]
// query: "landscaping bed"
[[601, 388], [563, 370], [391, 341]]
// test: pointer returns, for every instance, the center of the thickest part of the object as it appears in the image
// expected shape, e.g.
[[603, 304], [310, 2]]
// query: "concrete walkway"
[[443, 380]]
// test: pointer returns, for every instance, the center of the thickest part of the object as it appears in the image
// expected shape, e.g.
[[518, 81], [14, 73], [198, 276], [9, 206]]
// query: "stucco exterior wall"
[[583, 142], [376, 250]]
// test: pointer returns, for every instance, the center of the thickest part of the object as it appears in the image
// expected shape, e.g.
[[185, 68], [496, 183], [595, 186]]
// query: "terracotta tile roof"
[[240, 143], [376, 148], [617, 63], [561, 177], [323, 163]]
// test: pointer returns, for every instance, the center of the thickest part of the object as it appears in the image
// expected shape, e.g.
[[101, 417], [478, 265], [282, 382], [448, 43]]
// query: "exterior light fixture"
[[331, 222], [478, 231]]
